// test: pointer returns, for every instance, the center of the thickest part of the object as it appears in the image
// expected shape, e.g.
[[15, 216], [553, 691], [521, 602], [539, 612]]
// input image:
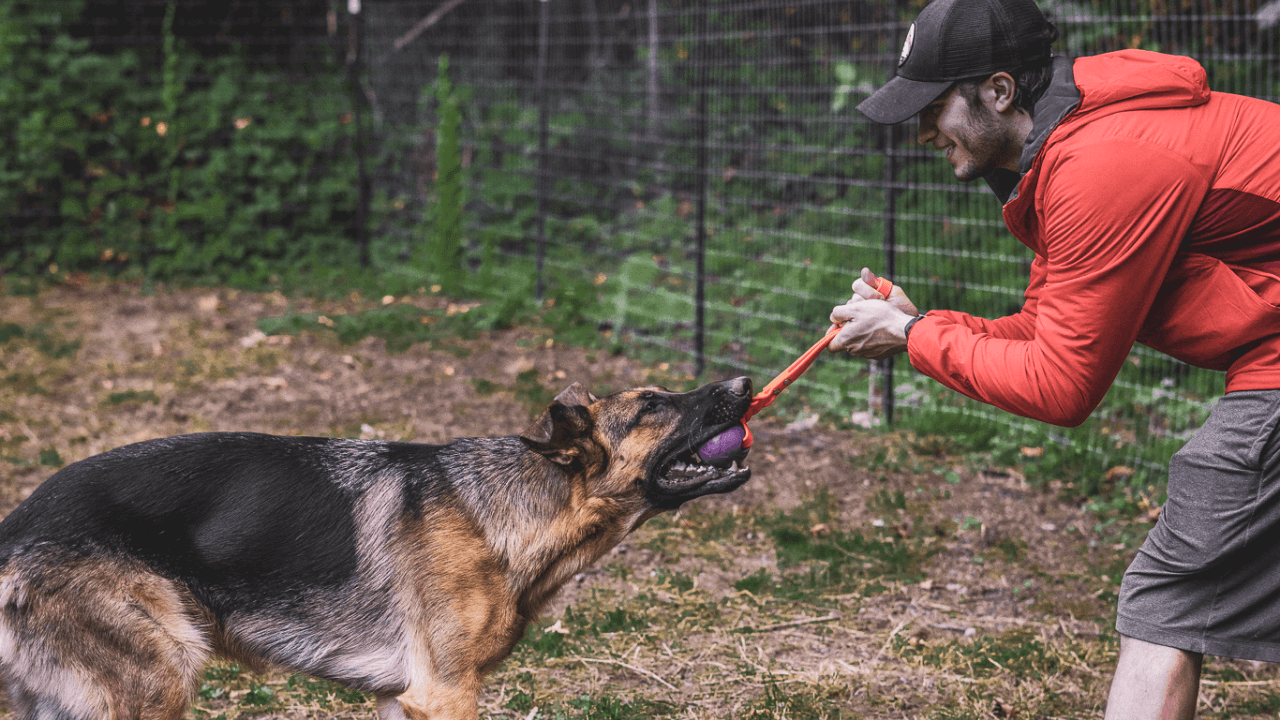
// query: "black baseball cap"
[[954, 40]]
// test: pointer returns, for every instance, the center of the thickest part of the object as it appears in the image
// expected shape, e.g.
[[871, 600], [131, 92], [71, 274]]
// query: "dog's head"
[[645, 439]]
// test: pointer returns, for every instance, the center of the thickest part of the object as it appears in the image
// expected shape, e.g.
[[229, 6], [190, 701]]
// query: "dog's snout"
[[740, 386]]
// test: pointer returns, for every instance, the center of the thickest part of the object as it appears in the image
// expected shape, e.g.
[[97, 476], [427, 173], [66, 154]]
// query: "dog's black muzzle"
[[678, 473]]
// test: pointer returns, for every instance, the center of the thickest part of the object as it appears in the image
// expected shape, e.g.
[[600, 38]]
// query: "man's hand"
[[873, 327], [865, 287]]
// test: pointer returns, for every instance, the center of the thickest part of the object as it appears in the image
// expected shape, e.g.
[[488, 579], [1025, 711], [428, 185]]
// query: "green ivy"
[[210, 170]]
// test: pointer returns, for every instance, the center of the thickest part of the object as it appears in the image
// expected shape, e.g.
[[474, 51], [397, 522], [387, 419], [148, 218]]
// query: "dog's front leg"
[[432, 701]]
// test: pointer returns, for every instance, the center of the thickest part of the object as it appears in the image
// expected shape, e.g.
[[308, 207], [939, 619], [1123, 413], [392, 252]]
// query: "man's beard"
[[982, 141]]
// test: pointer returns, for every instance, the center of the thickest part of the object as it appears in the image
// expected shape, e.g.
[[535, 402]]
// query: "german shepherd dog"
[[405, 570]]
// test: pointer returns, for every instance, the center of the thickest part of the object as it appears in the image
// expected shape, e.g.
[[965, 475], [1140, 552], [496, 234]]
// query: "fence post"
[[890, 252], [355, 67], [700, 299], [651, 104], [543, 132]]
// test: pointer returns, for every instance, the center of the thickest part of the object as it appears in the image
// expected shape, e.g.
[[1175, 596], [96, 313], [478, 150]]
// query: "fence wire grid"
[[701, 163], [707, 159]]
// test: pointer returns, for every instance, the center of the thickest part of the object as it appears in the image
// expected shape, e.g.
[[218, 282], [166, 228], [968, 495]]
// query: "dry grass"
[[857, 575]]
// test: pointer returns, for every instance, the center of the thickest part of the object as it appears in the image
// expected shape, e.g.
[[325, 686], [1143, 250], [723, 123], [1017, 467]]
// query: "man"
[[1153, 208]]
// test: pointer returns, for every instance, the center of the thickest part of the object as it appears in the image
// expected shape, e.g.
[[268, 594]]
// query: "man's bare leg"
[[1155, 682]]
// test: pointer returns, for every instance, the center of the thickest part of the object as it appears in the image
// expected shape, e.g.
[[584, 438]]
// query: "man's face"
[[973, 139]]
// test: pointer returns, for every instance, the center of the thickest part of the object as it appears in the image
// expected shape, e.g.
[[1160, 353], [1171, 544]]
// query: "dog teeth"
[[697, 471]]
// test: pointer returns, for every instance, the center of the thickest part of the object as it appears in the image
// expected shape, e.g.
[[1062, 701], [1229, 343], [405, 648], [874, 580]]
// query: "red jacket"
[[1153, 208]]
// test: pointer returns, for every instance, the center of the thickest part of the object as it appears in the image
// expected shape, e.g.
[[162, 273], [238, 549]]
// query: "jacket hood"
[[1089, 88], [1138, 80]]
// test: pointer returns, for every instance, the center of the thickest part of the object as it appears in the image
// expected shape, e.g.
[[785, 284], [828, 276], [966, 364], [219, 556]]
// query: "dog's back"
[[209, 506]]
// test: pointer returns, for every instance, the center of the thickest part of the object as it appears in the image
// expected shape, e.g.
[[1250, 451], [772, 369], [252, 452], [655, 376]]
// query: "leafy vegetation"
[[217, 173], [190, 165], [445, 246]]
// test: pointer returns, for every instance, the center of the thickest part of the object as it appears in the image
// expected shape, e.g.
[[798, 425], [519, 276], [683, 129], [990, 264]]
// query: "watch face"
[[906, 46]]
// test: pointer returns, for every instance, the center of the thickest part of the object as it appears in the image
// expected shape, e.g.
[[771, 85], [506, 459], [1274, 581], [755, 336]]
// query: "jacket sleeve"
[[1019, 326], [1113, 215]]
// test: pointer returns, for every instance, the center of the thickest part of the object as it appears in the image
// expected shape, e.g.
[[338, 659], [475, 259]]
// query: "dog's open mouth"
[[686, 474]]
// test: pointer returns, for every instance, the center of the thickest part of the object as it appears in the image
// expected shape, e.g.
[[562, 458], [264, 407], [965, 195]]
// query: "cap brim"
[[900, 99]]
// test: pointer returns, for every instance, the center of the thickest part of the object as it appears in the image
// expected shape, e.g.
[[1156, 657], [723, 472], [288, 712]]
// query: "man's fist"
[[873, 327]]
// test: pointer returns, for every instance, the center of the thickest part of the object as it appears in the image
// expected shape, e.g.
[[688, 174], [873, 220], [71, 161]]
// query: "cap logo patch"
[[906, 46]]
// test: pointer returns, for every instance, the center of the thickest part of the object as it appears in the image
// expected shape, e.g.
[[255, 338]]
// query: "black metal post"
[[543, 112], [890, 254], [700, 297], [355, 67]]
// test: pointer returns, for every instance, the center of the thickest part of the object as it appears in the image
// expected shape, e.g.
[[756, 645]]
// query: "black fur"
[[333, 557], [244, 520]]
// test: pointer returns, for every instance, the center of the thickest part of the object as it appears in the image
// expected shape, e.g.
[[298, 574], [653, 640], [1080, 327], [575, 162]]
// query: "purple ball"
[[723, 449]]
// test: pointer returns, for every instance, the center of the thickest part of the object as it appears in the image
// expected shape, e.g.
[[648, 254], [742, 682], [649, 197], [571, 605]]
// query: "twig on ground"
[[742, 651], [894, 634], [1083, 667], [633, 668], [792, 623]]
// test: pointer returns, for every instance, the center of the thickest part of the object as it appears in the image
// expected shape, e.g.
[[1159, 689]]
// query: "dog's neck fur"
[[560, 527]]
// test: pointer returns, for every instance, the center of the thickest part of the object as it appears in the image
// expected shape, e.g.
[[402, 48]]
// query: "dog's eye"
[[652, 402]]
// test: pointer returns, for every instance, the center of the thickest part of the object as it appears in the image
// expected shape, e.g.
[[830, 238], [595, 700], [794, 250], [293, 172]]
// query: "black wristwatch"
[[906, 331]]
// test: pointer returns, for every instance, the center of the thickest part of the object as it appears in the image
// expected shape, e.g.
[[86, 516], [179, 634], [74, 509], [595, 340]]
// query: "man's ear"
[[557, 433], [1001, 89]]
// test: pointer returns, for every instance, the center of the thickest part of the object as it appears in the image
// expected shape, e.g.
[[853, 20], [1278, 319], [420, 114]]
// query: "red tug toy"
[[732, 445]]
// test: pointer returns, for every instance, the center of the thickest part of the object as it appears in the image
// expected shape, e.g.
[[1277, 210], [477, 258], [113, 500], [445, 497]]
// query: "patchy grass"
[[227, 691], [892, 575]]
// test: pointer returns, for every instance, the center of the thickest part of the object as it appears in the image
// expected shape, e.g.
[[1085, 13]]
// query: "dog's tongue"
[[726, 448]]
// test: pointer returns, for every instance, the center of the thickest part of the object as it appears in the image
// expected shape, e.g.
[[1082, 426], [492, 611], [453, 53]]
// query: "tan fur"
[[439, 597], [90, 609]]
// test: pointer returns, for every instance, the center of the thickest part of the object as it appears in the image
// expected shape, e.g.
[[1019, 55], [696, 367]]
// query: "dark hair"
[[1030, 80]]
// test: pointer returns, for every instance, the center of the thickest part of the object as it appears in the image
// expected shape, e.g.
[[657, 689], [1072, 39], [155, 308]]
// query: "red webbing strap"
[[766, 396], [884, 287]]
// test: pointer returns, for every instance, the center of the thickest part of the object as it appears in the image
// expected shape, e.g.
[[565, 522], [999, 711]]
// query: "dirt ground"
[[89, 366]]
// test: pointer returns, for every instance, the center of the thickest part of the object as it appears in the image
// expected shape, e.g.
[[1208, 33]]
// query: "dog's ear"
[[557, 432], [576, 394]]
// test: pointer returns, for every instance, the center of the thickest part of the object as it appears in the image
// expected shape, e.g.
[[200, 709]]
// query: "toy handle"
[[770, 392]]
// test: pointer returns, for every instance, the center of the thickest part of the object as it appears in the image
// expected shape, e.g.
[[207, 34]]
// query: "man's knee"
[[1149, 654]]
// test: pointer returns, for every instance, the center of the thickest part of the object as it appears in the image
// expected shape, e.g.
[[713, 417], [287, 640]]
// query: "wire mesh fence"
[[705, 158], [700, 163]]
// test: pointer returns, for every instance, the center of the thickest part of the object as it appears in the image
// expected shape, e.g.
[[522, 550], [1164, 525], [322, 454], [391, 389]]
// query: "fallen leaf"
[[1119, 473]]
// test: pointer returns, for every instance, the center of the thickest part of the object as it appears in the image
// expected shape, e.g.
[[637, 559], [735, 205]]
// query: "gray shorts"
[[1207, 579]]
